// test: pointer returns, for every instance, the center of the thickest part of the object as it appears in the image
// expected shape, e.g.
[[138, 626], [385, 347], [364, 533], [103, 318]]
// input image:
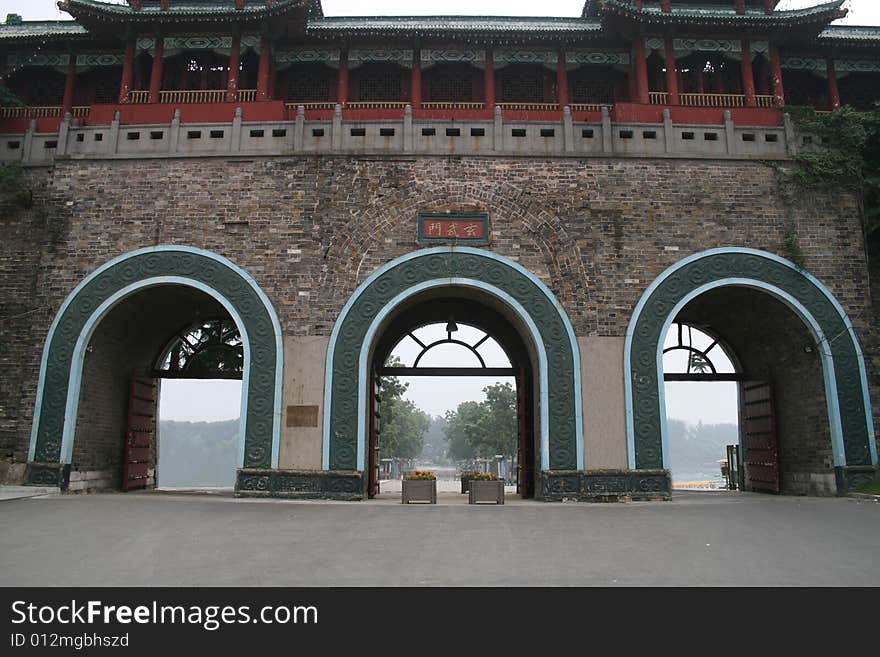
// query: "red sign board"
[[472, 229]]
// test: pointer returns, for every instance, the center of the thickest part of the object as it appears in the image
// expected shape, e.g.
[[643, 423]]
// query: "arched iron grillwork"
[[710, 362], [395, 366], [210, 349]]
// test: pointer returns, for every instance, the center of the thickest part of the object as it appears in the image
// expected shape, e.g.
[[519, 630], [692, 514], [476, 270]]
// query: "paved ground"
[[181, 540]]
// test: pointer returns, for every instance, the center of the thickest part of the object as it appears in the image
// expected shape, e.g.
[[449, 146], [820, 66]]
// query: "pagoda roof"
[[183, 10], [850, 35], [705, 13], [448, 25], [41, 30], [591, 7]]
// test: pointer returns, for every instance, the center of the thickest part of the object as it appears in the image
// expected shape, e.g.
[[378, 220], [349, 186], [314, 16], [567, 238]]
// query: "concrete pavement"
[[151, 539]]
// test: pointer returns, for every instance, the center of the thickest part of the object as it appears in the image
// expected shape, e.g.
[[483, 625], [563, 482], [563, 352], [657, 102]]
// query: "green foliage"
[[402, 426], [846, 153], [9, 99], [870, 487], [793, 249], [488, 427], [14, 190]]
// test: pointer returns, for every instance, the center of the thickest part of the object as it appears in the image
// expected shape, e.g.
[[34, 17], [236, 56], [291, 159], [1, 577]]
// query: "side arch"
[[61, 366], [849, 408], [522, 292]]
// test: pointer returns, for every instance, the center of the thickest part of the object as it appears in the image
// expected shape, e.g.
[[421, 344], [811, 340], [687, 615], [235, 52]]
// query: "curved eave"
[[819, 15], [851, 36], [86, 12], [43, 32]]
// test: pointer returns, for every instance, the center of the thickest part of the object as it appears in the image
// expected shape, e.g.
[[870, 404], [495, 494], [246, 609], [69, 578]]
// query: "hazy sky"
[[862, 12], [186, 400]]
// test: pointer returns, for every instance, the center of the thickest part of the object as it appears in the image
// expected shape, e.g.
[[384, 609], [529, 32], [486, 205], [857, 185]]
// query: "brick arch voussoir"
[[348, 252]]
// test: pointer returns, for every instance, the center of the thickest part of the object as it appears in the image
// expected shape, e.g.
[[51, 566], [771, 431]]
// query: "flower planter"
[[485, 492], [419, 491]]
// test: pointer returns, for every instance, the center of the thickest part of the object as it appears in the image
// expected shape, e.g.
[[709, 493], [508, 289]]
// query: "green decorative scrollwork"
[[646, 335], [210, 271], [467, 265]]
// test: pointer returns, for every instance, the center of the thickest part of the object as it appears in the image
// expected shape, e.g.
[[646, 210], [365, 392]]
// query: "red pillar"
[[342, 80], [416, 80], [69, 86], [768, 6], [263, 70], [666, 5], [671, 74], [3, 73], [639, 5], [562, 80], [156, 72], [234, 66], [748, 75], [164, 4], [776, 76], [740, 6], [127, 71], [489, 80], [640, 64], [833, 90]]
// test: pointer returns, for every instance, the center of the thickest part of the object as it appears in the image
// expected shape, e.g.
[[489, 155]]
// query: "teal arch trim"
[[61, 366], [519, 289], [849, 409]]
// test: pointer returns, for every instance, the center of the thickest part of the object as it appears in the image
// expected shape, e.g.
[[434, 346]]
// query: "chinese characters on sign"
[[469, 228]]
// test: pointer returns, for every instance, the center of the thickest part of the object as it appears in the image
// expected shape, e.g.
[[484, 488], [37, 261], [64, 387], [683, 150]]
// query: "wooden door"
[[526, 475], [140, 435], [373, 446], [760, 443]]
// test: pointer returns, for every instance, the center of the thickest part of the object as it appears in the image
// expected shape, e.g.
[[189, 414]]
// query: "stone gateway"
[[313, 188]]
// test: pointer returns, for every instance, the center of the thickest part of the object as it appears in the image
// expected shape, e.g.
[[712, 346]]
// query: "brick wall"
[[310, 229]]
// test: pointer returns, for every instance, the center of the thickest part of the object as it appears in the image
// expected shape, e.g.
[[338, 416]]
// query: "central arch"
[[450, 268]]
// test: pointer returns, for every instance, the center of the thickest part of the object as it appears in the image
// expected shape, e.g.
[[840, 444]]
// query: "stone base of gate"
[[603, 485], [48, 474], [300, 484], [850, 476]]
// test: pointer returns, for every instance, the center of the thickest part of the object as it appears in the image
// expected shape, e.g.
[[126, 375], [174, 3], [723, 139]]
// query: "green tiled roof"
[[696, 13], [33, 30], [447, 24], [179, 9], [851, 34]]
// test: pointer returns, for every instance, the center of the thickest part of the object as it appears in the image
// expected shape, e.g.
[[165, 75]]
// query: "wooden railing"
[[589, 107], [711, 100], [42, 112], [192, 96], [545, 107], [453, 105], [324, 105], [372, 104], [659, 98]]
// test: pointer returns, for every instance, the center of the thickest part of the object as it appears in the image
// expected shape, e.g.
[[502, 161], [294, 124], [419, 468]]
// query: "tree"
[[488, 426], [463, 430], [402, 426]]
